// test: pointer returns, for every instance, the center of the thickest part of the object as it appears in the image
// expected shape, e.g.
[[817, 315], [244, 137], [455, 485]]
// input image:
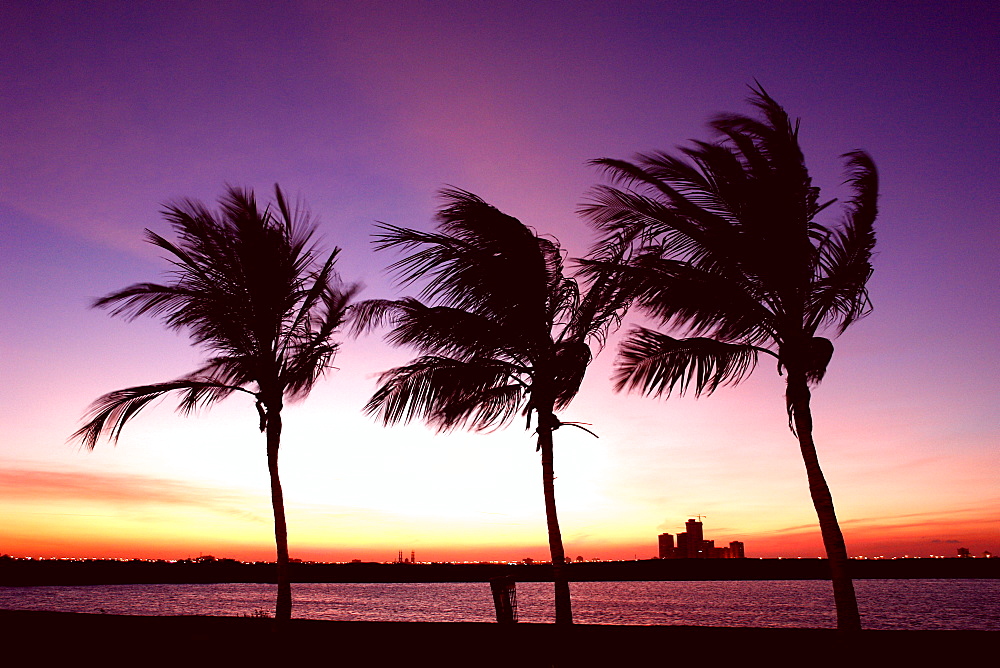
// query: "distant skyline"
[[365, 110]]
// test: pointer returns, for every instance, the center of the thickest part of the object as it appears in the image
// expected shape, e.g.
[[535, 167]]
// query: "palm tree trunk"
[[283, 606], [564, 609], [798, 399]]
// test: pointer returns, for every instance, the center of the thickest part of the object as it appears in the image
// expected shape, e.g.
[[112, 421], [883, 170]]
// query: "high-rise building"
[[682, 546], [666, 544], [695, 538], [691, 544]]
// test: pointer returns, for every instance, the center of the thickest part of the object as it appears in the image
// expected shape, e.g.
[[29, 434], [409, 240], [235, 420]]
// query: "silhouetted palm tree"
[[723, 245], [507, 332], [249, 287]]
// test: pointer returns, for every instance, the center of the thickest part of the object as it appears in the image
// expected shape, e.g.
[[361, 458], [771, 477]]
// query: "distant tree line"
[[27, 572]]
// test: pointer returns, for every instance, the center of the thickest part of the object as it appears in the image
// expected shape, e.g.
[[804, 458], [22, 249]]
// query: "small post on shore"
[[504, 590]]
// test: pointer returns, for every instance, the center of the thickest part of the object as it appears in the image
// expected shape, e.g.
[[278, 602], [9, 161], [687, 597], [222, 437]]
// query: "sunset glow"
[[365, 111]]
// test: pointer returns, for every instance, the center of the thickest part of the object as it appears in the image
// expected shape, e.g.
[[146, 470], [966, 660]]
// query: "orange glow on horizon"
[[104, 515]]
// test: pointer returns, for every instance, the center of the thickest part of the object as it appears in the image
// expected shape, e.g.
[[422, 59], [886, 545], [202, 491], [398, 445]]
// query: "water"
[[885, 604]]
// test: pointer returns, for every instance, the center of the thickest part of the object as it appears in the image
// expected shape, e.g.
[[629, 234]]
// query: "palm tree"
[[722, 244], [250, 288], [506, 332]]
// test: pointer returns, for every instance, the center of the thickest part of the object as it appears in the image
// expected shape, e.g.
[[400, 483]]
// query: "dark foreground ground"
[[53, 638]]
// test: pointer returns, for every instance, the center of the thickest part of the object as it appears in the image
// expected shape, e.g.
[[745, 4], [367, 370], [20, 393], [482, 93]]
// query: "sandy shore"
[[47, 638]]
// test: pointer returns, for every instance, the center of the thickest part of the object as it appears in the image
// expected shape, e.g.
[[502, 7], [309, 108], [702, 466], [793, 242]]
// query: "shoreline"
[[144, 640], [26, 572]]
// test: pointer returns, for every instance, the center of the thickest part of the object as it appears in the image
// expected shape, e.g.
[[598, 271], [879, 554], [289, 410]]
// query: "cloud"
[[122, 491], [965, 517]]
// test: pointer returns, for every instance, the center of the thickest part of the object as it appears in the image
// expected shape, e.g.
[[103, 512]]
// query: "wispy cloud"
[[927, 520], [121, 491]]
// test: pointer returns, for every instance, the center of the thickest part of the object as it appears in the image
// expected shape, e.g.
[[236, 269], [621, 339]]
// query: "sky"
[[365, 110]]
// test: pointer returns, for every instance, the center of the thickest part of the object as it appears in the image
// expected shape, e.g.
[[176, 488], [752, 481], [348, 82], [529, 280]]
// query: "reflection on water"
[[885, 604]]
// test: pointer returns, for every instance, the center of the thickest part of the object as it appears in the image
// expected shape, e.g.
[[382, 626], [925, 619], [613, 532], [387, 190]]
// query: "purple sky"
[[109, 110]]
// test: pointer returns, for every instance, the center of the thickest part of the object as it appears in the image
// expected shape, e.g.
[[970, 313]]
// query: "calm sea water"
[[885, 604]]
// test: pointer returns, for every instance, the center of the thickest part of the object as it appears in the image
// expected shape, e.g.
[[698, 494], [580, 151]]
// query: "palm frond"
[[840, 295], [450, 332], [308, 298], [434, 330], [484, 260], [110, 412], [368, 315], [491, 408], [143, 298], [601, 308], [633, 221], [447, 393], [656, 364], [698, 302], [225, 370], [306, 356]]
